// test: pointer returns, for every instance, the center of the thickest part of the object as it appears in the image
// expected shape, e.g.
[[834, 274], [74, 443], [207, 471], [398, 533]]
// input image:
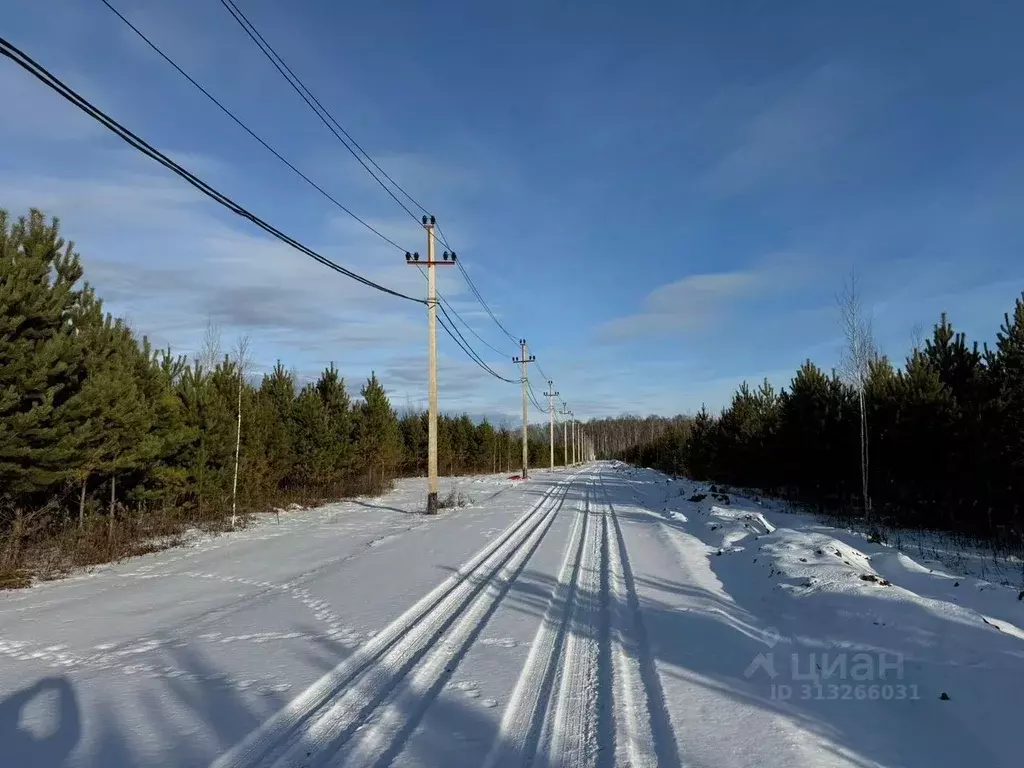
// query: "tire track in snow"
[[380, 742], [318, 718], [523, 720], [589, 693], [644, 737], [574, 735]]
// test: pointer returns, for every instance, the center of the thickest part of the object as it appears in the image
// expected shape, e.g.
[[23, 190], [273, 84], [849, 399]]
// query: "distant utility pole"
[[449, 260], [572, 421], [524, 360], [551, 394], [565, 434]]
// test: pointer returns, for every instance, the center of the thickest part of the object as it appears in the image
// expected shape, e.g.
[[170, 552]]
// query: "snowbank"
[[937, 658]]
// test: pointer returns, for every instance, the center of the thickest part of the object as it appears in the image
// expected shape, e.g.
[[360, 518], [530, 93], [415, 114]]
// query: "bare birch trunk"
[[110, 527], [81, 504], [238, 446]]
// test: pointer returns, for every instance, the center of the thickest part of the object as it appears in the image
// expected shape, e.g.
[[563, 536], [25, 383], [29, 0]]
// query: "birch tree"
[[243, 361], [859, 352]]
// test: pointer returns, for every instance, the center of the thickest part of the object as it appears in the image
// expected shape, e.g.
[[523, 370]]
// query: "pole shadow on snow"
[[40, 725], [386, 508]]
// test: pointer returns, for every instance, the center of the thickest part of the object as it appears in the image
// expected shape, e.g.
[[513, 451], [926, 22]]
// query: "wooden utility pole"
[[449, 260], [565, 434], [551, 419], [524, 360], [572, 421]]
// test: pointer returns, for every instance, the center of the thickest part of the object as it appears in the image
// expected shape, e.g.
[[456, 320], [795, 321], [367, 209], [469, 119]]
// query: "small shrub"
[[454, 499], [14, 578]]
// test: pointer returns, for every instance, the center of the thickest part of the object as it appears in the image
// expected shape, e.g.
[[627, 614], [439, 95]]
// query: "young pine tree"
[[277, 393], [378, 439], [1007, 368], [330, 387], [40, 359]]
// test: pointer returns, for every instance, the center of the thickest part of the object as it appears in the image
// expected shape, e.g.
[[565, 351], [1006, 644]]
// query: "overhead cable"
[[314, 103], [246, 128], [22, 59]]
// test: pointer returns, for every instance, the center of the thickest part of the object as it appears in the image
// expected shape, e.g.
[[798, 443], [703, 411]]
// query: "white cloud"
[[700, 302], [685, 305]]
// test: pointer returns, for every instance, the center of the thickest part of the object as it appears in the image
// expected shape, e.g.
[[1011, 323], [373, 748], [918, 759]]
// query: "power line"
[[533, 398], [23, 60], [313, 103], [470, 328], [246, 128], [541, 372], [347, 140], [480, 298], [471, 355], [475, 290], [469, 349], [536, 405], [462, 342], [302, 175]]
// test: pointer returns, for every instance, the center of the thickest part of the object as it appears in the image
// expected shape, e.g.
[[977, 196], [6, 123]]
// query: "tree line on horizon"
[[105, 440], [943, 436]]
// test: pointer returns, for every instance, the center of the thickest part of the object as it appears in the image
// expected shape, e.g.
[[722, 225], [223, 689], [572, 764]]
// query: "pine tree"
[[378, 439], [278, 394], [414, 438], [913, 410], [337, 410], [805, 422], [957, 366], [165, 478], [40, 364], [700, 453], [111, 417], [1007, 368], [311, 440]]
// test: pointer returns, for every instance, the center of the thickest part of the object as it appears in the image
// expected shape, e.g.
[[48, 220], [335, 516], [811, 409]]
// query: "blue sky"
[[663, 198]]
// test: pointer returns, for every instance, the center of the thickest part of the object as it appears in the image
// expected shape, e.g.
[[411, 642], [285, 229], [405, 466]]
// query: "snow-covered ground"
[[593, 616]]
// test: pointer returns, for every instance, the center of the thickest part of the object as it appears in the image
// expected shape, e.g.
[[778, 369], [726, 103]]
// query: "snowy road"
[[591, 617]]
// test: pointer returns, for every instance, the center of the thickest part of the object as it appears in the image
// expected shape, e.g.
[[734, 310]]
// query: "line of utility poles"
[[551, 395], [525, 360], [449, 260]]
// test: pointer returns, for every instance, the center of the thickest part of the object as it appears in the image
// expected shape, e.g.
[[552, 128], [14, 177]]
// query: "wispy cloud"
[[791, 131], [699, 302]]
